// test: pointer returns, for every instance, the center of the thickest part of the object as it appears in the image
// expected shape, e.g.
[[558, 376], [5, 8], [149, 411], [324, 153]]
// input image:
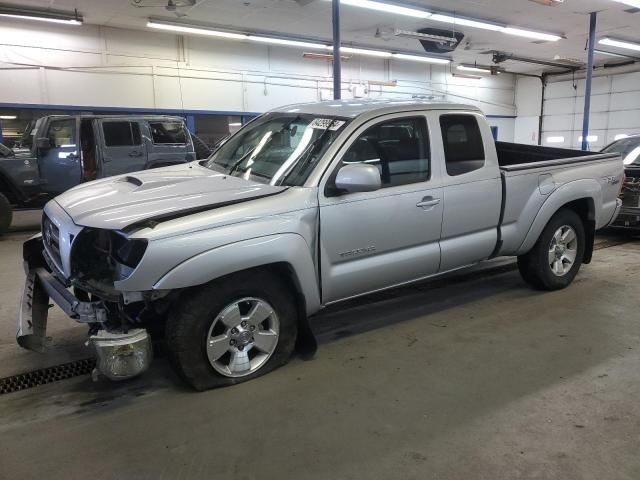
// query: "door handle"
[[428, 203], [135, 154]]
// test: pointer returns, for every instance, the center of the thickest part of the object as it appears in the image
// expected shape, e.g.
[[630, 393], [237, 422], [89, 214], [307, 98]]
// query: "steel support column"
[[587, 91], [337, 68]]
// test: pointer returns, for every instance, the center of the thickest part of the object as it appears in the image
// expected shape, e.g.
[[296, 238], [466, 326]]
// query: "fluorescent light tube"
[[473, 69], [612, 42], [590, 138], [631, 3], [286, 42], [464, 75], [363, 51], [65, 21], [531, 34], [235, 124], [387, 7], [196, 30], [610, 54], [418, 58], [555, 139], [466, 22], [7, 117]]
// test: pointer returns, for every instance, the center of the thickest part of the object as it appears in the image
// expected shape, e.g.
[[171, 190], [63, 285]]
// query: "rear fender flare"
[[567, 193]]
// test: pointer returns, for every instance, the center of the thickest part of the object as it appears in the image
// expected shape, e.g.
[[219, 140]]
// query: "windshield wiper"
[[242, 159]]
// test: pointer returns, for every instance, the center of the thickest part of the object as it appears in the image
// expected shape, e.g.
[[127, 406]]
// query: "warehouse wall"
[[615, 109], [528, 103], [109, 67]]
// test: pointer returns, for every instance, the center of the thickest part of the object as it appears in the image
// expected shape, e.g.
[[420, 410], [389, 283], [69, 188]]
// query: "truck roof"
[[120, 116], [355, 107]]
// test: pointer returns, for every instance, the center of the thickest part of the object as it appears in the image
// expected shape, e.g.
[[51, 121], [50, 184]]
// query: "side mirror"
[[43, 144], [358, 177]]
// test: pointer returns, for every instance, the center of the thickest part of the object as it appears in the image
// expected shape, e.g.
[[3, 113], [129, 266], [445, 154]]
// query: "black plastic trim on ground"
[[46, 375]]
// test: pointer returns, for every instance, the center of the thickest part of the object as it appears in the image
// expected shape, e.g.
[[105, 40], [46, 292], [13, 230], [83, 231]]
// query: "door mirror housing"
[[358, 177], [43, 144]]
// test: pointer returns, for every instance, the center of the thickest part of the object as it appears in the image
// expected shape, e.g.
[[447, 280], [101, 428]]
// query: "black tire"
[[189, 321], [534, 266], [6, 214], [202, 149]]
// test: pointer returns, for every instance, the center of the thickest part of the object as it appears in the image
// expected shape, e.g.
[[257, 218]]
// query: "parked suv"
[[69, 150], [304, 207]]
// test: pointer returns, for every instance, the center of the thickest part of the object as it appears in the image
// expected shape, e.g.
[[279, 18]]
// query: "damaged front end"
[[93, 260]]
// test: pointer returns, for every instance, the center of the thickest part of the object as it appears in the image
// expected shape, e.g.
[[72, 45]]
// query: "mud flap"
[[32, 315]]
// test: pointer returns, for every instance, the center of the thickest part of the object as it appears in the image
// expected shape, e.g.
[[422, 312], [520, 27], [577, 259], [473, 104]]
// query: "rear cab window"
[[463, 144], [121, 134], [168, 133]]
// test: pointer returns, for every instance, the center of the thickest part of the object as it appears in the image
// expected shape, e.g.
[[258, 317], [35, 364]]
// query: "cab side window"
[[62, 133], [462, 140], [398, 148], [121, 134], [168, 133]]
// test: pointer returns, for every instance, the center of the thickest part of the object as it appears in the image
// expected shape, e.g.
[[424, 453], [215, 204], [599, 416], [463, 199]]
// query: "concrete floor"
[[476, 377]]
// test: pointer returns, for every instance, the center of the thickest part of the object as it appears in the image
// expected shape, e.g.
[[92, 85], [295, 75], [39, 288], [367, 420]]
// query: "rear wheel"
[[555, 259], [6, 214], [233, 330]]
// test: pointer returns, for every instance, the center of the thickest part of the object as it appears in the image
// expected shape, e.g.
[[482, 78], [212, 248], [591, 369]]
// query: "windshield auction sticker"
[[324, 123]]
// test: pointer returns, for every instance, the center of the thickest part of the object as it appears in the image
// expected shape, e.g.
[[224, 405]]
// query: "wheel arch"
[[287, 256], [583, 197]]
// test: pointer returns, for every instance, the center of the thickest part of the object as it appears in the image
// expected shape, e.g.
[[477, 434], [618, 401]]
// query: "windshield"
[[628, 147], [277, 148]]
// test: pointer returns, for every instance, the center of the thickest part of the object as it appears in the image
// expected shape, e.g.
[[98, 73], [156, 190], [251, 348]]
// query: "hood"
[[117, 202]]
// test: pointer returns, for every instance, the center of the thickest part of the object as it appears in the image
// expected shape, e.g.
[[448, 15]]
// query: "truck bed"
[[516, 156]]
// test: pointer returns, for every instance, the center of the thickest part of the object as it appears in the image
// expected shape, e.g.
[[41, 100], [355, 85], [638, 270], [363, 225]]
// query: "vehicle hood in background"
[[118, 202]]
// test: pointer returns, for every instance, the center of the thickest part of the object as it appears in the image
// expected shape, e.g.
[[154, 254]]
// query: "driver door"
[[60, 164], [374, 240]]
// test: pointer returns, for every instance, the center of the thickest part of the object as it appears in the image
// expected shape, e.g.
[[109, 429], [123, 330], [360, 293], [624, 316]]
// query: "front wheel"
[[555, 259], [232, 330]]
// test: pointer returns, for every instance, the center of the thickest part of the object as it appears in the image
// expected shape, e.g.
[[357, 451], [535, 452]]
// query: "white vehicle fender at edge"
[[569, 192], [289, 248]]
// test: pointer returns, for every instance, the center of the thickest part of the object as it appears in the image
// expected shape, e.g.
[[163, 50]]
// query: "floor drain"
[[46, 375]]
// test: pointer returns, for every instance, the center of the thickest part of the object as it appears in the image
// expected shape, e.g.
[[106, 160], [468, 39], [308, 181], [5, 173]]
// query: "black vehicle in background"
[[629, 147]]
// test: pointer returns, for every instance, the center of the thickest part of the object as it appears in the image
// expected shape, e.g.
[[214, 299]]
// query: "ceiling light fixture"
[[452, 19], [235, 124], [388, 8], [612, 42], [464, 75], [41, 16], [548, 37], [474, 68], [173, 27], [418, 58], [555, 139], [363, 51], [286, 42], [8, 117], [466, 22], [631, 3], [609, 54]]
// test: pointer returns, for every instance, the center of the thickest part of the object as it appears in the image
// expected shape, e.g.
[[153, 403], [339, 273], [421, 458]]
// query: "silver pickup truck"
[[305, 206]]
